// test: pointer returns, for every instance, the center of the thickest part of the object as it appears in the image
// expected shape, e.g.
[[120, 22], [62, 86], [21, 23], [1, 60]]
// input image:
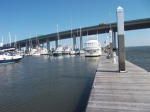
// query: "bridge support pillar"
[[56, 44], [34, 46], [48, 44], [19, 47], [81, 43], [27, 46], [74, 42], [121, 45]]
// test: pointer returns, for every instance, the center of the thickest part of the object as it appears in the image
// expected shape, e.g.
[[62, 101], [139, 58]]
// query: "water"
[[47, 84], [140, 56], [54, 84]]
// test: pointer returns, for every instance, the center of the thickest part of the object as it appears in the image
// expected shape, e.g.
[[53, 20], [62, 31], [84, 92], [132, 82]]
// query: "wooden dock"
[[119, 92]]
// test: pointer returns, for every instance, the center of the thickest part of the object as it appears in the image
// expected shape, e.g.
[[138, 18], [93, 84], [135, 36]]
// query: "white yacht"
[[35, 52], [8, 55], [44, 51], [72, 52], [92, 48], [66, 49]]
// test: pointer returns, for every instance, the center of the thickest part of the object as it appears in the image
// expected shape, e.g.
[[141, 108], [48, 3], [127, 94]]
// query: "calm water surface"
[[47, 84], [139, 56]]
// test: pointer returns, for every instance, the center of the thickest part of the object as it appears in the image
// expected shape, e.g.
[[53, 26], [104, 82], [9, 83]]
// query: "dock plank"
[[119, 92]]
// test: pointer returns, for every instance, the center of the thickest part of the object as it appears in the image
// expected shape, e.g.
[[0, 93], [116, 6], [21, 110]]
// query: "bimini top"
[[7, 48]]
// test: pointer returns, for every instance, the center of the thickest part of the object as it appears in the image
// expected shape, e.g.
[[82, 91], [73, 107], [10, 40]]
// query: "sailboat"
[[71, 51], [36, 52], [59, 49]]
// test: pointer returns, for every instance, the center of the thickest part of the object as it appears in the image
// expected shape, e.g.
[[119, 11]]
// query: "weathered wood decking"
[[119, 92]]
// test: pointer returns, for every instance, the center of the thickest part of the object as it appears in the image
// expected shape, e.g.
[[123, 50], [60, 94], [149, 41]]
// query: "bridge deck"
[[120, 92]]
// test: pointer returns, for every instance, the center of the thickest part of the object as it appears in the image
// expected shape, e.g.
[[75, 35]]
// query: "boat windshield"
[[91, 45], [8, 53]]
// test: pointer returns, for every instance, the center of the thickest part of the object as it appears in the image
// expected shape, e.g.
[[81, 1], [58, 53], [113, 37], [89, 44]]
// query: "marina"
[[98, 64], [37, 81]]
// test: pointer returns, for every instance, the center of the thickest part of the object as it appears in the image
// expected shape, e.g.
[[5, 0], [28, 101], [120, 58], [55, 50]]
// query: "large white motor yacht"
[[92, 48]]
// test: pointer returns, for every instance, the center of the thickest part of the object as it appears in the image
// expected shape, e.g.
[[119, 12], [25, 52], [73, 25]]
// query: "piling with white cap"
[[121, 46]]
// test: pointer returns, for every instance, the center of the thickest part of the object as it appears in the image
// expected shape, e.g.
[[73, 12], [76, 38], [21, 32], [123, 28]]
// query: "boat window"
[[1, 53], [90, 44]]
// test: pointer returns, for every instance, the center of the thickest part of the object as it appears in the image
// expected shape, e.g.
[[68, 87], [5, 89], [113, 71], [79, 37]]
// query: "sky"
[[42, 16]]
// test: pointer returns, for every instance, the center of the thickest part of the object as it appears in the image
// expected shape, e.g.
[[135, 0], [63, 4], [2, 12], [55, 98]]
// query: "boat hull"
[[10, 60], [57, 54], [44, 53], [92, 53], [65, 53]]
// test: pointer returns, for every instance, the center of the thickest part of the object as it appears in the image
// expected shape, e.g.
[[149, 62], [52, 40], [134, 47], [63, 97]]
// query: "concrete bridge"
[[91, 30]]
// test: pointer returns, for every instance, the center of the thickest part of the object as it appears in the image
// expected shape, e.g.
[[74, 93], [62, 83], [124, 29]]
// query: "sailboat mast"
[[9, 39], [71, 26], [29, 41], [58, 34], [80, 37], [110, 20], [36, 40], [2, 40], [15, 40], [71, 30]]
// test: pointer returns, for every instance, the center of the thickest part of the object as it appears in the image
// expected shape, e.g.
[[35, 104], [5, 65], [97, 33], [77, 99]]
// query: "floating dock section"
[[119, 92]]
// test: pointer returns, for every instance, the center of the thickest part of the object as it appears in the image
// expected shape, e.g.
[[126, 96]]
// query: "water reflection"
[[47, 83]]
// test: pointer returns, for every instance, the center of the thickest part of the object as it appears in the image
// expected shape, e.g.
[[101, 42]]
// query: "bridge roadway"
[[119, 92], [101, 28]]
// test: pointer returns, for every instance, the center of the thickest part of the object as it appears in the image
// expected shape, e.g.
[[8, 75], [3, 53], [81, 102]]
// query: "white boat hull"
[[9, 59], [72, 52], [92, 52]]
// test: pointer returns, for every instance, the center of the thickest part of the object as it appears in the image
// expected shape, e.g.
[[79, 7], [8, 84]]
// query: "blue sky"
[[20, 16]]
